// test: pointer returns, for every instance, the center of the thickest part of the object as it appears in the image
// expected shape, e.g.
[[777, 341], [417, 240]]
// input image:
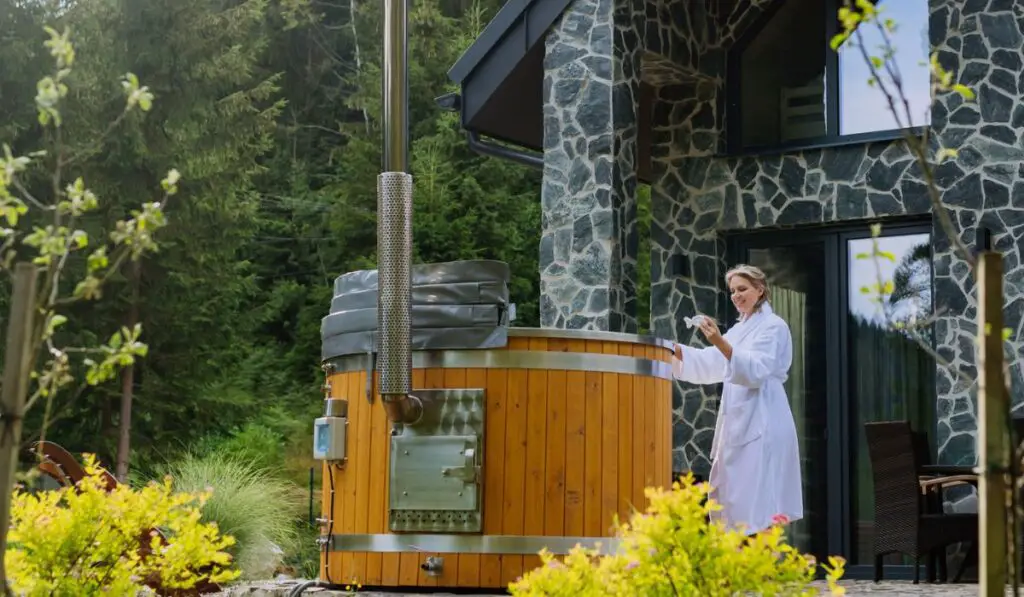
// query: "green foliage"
[[215, 118], [86, 541], [320, 201], [671, 549], [214, 114], [277, 441], [643, 259], [270, 112], [304, 562], [51, 246], [255, 507], [255, 443]]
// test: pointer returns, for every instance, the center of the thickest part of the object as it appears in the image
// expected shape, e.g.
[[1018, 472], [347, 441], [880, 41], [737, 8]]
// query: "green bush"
[[304, 562], [672, 550], [259, 509], [89, 541], [277, 441], [255, 443]]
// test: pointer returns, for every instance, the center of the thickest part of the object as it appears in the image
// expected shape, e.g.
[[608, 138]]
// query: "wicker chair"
[[903, 523]]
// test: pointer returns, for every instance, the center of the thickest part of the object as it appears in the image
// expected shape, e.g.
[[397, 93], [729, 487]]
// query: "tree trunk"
[[14, 392], [108, 430], [359, 61], [128, 384]]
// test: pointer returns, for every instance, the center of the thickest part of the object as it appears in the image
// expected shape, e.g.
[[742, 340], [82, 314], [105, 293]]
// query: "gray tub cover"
[[455, 305]]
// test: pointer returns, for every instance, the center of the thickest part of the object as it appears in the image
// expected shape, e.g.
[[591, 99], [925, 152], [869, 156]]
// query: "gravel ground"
[[854, 588]]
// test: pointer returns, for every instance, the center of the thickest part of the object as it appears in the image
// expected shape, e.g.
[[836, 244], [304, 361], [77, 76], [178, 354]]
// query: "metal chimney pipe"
[[395, 87], [394, 228]]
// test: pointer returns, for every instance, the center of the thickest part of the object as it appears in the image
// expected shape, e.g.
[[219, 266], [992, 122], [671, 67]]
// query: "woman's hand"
[[679, 351], [710, 329]]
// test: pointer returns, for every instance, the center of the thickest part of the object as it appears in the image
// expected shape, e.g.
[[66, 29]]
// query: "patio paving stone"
[[854, 588]]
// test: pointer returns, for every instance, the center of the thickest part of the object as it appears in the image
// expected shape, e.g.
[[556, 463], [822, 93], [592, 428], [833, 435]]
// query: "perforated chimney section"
[[394, 228]]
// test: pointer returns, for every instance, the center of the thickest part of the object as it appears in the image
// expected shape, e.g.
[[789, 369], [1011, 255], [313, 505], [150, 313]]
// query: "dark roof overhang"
[[501, 77]]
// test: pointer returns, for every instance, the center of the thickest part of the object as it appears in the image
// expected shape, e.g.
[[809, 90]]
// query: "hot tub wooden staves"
[[575, 426]]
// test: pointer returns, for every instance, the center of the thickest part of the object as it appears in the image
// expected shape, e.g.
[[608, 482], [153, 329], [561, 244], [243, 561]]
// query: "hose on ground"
[[300, 588]]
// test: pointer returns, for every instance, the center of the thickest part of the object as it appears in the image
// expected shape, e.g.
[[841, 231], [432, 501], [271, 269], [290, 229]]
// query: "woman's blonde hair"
[[756, 277]]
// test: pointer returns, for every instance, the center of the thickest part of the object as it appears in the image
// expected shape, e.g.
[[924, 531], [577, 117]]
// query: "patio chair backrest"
[[894, 467]]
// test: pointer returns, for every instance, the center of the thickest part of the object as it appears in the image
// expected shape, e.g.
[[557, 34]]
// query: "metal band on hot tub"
[[520, 359], [481, 544], [590, 335]]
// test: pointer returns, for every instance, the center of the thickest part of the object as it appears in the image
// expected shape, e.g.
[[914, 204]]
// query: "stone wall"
[[588, 239], [983, 42], [595, 57], [697, 196], [593, 67], [687, 128], [687, 122]]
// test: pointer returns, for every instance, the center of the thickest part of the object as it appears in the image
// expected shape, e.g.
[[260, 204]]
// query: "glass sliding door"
[[797, 276], [850, 365], [889, 373]]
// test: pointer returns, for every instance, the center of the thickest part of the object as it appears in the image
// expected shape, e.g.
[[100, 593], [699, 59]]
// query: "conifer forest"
[[270, 111]]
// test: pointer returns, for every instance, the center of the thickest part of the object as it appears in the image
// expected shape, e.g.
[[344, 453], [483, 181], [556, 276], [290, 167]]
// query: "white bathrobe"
[[755, 470]]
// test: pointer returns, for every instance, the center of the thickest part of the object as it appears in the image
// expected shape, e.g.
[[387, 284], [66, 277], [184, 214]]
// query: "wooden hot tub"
[[562, 430]]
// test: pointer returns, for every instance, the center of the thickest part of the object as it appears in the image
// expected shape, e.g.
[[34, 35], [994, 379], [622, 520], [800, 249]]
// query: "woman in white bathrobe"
[[755, 457]]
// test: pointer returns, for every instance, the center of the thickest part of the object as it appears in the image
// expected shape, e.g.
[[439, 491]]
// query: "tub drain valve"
[[433, 565]]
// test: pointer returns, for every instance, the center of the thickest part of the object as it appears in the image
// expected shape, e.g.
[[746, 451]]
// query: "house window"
[[789, 88]]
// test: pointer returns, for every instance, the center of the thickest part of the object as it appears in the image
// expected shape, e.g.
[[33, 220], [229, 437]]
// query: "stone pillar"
[[588, 241]]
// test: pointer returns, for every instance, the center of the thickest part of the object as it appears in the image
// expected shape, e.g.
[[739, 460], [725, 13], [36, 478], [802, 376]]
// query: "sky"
[[865, 109], [863, 272]]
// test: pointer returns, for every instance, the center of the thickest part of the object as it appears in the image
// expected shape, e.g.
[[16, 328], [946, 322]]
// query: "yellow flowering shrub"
[[87, 541], [672, 550]]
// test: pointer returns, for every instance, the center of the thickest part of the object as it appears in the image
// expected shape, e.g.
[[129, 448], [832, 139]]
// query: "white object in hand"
[[692, 322]]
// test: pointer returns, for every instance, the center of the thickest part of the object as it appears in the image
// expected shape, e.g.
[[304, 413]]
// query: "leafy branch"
[[886, 75], [51, 245], [48, 240]]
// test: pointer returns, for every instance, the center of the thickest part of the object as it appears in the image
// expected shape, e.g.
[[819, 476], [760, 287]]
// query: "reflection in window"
[[783, 77], [792, 86], [910, 299], [891, 375], [863, 108]]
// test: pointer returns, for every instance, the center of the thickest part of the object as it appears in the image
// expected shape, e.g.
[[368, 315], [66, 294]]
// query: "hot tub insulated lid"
[[455, 305]]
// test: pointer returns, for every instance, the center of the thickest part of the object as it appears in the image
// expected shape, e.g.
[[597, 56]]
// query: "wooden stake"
[[993, 429], [16, 376]]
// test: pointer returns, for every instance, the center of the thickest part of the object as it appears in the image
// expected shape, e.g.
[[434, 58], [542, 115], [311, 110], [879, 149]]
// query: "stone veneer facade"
[[697, 194]]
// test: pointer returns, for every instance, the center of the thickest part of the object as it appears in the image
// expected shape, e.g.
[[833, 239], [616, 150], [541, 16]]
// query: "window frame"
[[733, 94]]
